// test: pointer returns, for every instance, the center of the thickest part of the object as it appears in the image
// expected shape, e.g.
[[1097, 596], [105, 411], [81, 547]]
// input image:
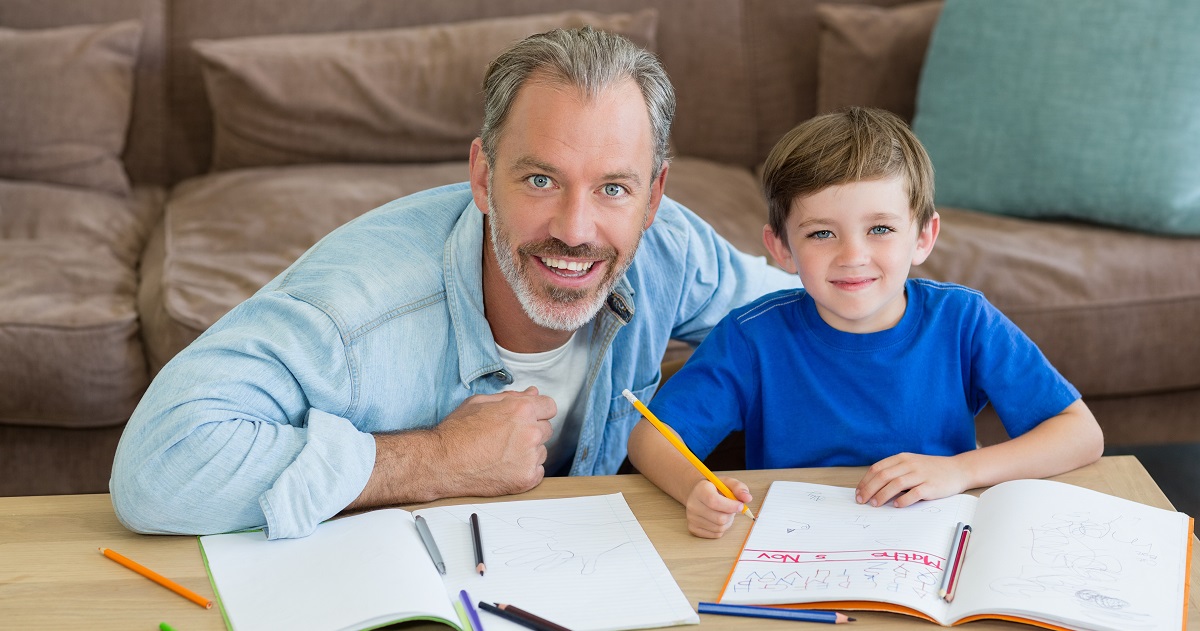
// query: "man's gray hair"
[[587, 59]]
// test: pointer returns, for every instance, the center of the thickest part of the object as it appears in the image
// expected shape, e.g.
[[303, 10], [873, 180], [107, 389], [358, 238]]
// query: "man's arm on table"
[[491, 445], [243, 430]]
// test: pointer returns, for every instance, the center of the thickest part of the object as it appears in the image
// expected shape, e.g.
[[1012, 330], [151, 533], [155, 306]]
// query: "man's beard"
[[550, 306]]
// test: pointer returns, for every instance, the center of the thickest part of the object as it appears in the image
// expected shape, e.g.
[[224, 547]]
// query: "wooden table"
[[53, 577]]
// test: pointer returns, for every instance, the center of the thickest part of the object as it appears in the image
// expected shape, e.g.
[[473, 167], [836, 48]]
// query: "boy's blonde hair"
[[851, 145]]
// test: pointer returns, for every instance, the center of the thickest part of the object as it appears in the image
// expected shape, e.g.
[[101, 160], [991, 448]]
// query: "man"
[[466, 340]]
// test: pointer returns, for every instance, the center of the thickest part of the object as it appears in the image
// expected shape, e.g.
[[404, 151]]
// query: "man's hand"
[[923, 477], [494, 444], [709, 514]]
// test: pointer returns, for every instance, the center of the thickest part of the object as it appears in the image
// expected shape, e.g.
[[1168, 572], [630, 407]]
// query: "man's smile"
[[564, 267]]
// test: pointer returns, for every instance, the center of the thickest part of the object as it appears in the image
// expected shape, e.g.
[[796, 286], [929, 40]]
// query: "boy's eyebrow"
[[880, 216]]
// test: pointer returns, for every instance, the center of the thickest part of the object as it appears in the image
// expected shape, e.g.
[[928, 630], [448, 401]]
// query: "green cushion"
[[1065, 108]]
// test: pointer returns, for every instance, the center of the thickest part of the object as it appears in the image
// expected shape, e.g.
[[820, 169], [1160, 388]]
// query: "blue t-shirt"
[[808, 395]]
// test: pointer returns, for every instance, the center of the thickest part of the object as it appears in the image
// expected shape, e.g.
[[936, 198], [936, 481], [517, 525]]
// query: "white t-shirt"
[[559, 374]]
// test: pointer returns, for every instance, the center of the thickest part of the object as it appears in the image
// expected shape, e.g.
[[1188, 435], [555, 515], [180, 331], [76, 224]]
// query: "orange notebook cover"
[[1044, 553]]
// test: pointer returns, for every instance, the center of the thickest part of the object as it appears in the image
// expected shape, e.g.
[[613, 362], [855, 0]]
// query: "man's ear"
[[657, 187], [927, 238], [779, 250], [479, 169]]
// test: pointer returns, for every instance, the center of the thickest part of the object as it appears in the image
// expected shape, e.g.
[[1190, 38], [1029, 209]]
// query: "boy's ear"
[[779, 250], [926, 239]]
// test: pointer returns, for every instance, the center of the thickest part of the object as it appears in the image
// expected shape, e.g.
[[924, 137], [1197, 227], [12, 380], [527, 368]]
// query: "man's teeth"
[[573, 266]]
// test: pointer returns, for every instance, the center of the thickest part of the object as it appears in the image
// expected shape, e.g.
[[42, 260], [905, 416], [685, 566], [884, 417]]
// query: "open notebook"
[[1041, 552], [582, 562]]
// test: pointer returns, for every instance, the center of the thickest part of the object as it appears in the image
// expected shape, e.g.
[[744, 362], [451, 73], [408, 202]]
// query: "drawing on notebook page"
[[564, 542], [1080, 556]]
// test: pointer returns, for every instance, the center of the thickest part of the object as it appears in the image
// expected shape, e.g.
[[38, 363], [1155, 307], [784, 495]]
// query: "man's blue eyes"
[[544, 181]]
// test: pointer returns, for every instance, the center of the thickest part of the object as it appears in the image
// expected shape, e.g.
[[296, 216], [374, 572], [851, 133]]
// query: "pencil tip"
[[848, 618]]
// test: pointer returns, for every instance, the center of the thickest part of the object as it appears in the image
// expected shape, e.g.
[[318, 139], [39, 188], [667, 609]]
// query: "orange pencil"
[[158, 578]]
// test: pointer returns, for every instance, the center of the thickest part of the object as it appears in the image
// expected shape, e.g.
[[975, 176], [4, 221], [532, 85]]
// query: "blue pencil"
[[473, 615], [799, 615]]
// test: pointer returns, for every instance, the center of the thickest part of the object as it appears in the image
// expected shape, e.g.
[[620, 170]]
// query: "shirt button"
[[503, 376]]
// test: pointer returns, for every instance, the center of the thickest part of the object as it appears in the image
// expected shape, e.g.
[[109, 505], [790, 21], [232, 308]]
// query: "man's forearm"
[[409, 468]]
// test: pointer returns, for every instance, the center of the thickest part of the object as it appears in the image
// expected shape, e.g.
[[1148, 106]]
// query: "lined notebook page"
[[583, 562], [814, 543]]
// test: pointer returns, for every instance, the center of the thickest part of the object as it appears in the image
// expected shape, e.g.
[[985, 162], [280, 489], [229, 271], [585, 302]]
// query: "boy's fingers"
[[740, 490]]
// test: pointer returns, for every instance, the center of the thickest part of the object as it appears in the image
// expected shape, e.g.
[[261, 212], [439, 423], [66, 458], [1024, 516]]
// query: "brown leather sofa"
[[217, 188]]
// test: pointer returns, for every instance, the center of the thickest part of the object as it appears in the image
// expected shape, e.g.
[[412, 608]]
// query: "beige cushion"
[[68, 318], [1115, 311], [400, 95], [67, 95], [872, 56], [227, 234]]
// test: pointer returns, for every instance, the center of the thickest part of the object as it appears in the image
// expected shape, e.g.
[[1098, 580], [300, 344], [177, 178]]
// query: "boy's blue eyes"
[[539, 181], [828, 234]]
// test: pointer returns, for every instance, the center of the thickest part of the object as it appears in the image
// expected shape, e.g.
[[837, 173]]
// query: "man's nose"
[[574, 221]]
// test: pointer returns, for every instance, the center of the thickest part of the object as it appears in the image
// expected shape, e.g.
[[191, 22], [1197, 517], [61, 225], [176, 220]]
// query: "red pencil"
[[959, 557]]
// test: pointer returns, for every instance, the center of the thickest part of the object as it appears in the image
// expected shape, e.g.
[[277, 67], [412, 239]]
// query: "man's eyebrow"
[[624, 176], [532, 163]]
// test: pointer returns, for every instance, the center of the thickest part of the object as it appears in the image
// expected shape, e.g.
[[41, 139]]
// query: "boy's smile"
[[853, 245]]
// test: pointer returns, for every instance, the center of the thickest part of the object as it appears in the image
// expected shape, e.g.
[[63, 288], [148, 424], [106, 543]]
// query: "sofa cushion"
[[399, 95], [1056, 108], [227, 234], [1115, 311], [68, 318], [871, 56], [68, 94]]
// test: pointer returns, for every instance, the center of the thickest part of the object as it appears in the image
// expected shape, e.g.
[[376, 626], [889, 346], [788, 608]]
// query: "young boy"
[[863, 366]]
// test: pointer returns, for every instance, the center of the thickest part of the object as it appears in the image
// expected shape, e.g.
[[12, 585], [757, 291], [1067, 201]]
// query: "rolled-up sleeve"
[[246, 428]]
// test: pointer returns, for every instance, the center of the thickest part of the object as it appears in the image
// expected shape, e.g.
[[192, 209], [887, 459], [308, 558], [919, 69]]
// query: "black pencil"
[[475, 536], [521, 617]]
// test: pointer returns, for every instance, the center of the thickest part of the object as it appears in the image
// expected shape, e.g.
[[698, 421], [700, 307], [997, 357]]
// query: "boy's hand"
[[709, 514], [923, 477]]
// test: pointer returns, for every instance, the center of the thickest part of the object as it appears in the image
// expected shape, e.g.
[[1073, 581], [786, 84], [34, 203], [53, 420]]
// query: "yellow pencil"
[[157, 578], [683, 449]]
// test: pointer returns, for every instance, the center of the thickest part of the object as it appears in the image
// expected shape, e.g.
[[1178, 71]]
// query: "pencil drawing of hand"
[[564, 543]]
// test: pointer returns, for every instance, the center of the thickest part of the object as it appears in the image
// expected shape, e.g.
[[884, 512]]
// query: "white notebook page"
[[340, 576], [582, 562], [1075, 554]]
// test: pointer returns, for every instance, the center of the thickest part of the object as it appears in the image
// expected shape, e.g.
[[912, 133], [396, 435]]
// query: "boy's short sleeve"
[[1014, 376], [715, 391]]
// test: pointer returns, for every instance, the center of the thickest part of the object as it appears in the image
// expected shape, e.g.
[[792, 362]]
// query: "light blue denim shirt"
[[266, 420]]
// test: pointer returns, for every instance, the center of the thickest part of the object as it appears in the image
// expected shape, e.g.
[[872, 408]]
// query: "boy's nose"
[[852, 253]]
